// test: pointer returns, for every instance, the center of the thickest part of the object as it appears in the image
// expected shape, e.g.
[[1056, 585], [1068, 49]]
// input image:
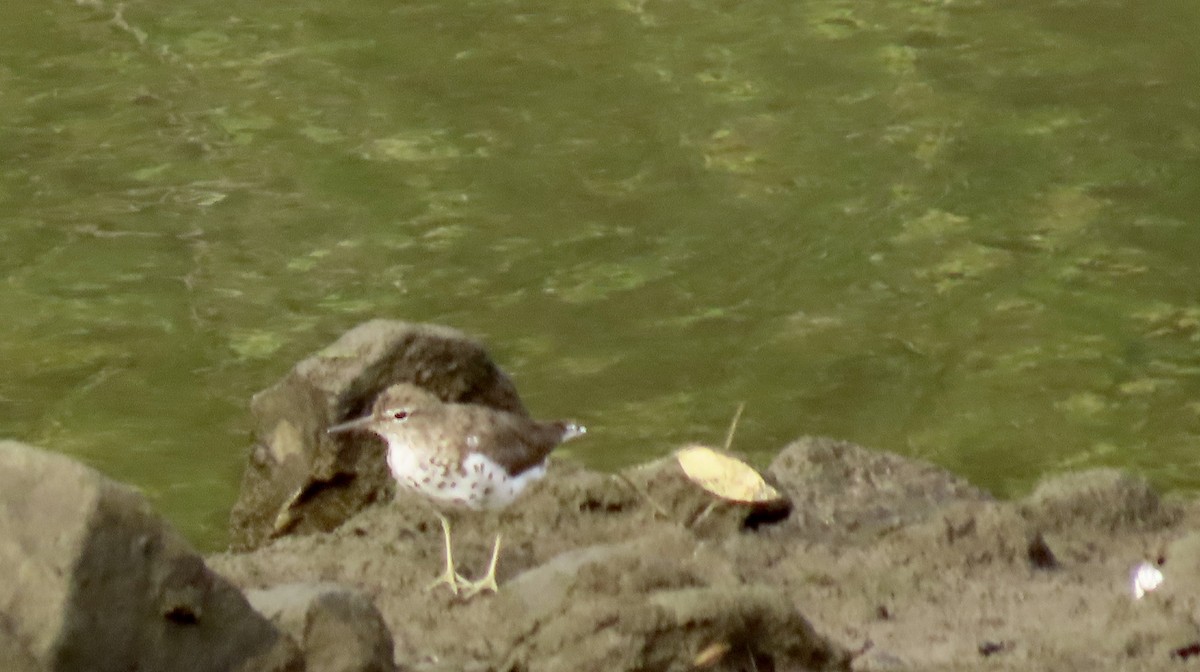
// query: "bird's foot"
[[472, 588], [451, 579]]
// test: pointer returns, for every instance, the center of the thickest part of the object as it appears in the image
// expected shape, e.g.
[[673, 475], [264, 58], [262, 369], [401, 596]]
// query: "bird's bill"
[[350, 425]]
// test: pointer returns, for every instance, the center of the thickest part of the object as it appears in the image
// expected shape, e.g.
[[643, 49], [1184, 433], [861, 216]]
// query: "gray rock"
[[1109, 499], [95, 581], [662, 601], [339, 629], [298, 479], [839, 487]]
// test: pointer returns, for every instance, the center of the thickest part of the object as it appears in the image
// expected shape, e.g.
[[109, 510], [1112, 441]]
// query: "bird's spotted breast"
[[477, 482]]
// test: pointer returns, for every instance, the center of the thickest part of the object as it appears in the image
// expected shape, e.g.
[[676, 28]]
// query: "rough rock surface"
[[654, 603], [1106, 498], [95, 581], [840, 488], [300, 480], [338, 629]]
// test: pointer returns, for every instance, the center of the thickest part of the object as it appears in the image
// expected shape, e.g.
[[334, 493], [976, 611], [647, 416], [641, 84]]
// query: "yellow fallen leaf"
[[724, 476]]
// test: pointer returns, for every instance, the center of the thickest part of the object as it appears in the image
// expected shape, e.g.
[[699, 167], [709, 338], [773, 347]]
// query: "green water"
[[958, 230]]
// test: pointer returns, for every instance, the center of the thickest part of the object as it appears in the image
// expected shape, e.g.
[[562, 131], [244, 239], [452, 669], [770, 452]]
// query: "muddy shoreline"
[[885, 564]]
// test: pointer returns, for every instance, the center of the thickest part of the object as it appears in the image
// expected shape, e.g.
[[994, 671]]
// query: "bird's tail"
[[571, 430]]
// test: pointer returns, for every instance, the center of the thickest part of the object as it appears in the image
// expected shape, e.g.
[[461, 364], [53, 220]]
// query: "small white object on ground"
[[1144, 578]]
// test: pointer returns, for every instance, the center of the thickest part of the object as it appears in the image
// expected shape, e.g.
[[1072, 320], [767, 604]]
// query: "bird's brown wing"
[[515, 442]]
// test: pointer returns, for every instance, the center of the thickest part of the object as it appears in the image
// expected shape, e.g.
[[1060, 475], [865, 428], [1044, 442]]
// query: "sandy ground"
[[883, 564]]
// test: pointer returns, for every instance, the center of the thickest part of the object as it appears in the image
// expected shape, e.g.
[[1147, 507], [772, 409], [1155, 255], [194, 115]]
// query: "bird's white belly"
[[480, 483]]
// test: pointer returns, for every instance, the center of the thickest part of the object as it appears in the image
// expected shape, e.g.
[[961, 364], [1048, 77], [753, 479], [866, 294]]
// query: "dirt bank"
[[883, 564]]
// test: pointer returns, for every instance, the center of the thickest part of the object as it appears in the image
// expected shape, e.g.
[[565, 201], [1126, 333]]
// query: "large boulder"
[[1108, 499], [842, 488], [664, 600], [96, 581], [299, 479]]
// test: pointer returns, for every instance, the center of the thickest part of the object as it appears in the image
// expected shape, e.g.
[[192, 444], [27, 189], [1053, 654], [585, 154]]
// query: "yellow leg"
[[449, 576], [488, 582]]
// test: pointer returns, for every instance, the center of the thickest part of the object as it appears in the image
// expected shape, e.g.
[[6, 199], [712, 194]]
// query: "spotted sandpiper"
[[460, 456]]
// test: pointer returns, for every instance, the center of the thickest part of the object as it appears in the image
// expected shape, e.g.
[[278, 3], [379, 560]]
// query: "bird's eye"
[[400, 415]]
